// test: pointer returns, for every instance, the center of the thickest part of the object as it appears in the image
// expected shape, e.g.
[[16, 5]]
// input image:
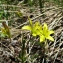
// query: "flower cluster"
[[37, 29]]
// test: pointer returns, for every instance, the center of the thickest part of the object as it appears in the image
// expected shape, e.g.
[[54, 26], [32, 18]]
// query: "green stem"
[[43, 47], [23, 51]]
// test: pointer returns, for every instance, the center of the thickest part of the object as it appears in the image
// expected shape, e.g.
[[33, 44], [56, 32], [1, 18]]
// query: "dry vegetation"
[[22, 47]]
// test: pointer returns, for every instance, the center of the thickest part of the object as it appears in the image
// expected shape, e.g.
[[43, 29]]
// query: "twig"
[[4, 5]]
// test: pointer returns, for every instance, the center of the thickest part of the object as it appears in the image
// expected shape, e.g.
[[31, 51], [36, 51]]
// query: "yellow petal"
[[51, 32], [50, 38], [45, 27], [34, 34], [30, 21], [42, 38], [26, 27], [37, 23]]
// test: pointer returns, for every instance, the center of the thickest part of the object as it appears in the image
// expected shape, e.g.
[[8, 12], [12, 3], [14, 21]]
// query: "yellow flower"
[[41, 31], [46, 33], [34, 28], [6, 30], [3, 32]]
